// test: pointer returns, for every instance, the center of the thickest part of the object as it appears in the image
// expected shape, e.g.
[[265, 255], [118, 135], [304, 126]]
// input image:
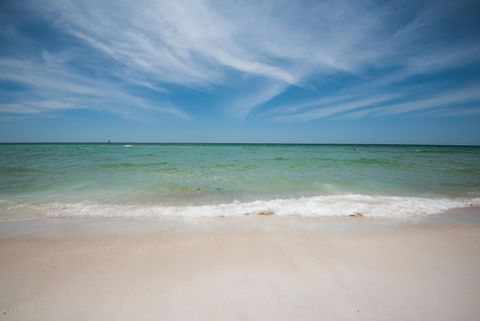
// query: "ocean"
[[195, 180]]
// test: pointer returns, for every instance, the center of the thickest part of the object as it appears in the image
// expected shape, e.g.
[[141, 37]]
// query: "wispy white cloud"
[[471, 111], [333, 109], [207, 45], [51, 87], [404, 51], [453, 97], [199, 43], [448, 102], [354, 107], [241, 107]]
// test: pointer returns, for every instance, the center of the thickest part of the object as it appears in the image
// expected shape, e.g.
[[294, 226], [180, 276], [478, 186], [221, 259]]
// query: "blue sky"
[[240, 71]]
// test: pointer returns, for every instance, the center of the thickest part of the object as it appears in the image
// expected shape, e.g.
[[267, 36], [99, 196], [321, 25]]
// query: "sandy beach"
[[245, 268], [182, 160]]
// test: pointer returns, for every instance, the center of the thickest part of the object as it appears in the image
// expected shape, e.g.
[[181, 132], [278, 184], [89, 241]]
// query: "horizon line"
[[226, 143]]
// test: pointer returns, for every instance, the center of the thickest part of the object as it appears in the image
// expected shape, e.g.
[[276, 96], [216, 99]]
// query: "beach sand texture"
[[245, 268]]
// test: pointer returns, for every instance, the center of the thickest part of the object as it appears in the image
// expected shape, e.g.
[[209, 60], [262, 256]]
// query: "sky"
[[343, 71]]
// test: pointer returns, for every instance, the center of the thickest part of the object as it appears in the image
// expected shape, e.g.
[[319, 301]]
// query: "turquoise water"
[[160, 176]]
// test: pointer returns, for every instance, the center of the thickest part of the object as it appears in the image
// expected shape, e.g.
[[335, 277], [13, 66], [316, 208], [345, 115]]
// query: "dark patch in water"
[[15, 169], [226, 165], [440, 151], [372, 161], [120, 165], [135, 165]]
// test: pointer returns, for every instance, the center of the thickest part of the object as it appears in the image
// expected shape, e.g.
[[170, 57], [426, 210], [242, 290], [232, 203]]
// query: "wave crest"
[[338, 205]]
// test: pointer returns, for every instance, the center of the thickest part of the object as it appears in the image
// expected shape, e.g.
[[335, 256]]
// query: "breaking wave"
[[317, 206]]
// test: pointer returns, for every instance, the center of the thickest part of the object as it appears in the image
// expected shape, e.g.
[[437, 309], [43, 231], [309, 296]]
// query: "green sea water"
[[178, 176]]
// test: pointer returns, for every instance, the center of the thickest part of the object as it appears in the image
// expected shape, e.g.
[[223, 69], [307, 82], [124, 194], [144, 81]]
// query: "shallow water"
[[233, 179]]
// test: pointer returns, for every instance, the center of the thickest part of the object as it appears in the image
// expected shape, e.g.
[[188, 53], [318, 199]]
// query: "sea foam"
[[332, 205]]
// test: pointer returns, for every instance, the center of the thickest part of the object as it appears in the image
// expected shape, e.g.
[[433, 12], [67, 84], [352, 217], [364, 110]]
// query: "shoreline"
[[338, 205], [242, 268]]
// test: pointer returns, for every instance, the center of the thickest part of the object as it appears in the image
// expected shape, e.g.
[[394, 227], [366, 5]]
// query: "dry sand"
[[246, 268]]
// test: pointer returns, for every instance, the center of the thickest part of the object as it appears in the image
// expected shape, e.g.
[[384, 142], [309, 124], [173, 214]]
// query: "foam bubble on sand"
[[333, 205]]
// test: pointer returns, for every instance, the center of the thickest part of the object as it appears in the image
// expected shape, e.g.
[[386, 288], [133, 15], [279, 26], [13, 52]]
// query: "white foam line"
[[337, 205]]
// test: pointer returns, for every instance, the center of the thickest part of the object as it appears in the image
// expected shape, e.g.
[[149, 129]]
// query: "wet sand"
[[244, 268]]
